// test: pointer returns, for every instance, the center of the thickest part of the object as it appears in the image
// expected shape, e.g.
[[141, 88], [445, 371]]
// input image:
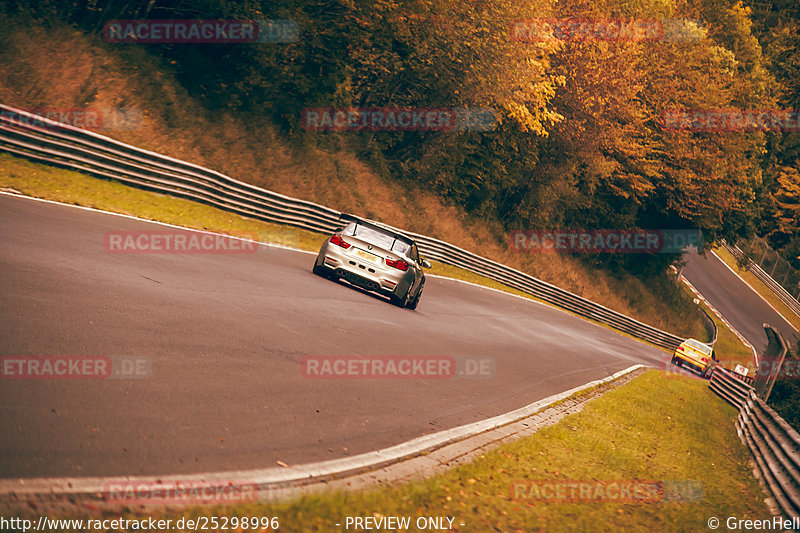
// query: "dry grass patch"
[[61, 67]]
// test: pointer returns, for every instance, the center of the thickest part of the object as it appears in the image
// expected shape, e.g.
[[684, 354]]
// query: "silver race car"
[[374, 258]]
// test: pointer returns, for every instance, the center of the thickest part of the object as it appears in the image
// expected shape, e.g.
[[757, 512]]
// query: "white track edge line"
[[532, 298], [754, 290], [167, 224], [306, 472]]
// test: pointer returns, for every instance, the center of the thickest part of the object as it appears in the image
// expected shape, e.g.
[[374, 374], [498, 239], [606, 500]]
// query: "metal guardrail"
[[759, 273], [711, 326], [776, 448], [775, 445], [729, 387], [47, 141]]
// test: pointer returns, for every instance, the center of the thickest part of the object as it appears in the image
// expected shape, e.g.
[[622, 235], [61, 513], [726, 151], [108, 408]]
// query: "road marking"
[[752, 289], [131, 217], [722, 318], [300, 474]]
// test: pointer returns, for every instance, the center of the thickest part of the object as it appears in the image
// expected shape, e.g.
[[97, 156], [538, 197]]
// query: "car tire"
[[415, 302], [320, 270], [401, 302]]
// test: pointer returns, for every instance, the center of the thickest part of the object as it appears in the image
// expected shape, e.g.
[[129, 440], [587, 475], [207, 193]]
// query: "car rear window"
[[377, 237], [699, 345]]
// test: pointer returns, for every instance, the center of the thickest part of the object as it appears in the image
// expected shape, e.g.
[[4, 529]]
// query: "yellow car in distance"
[[696, 355]]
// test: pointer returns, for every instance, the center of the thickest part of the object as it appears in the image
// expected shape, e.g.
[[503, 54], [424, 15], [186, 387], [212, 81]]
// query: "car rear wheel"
[[320, 270], [404, 301], [399, 302], [415, 302]]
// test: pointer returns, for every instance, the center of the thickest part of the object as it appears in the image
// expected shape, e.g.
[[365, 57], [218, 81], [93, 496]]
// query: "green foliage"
[[785, 396], [777, 26], [580, 140]]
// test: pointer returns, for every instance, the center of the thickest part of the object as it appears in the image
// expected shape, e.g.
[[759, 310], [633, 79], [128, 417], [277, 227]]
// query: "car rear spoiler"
[[346, 217]]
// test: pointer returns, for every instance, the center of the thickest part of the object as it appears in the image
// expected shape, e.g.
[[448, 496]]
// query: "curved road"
[[226, 335], [738, 303]]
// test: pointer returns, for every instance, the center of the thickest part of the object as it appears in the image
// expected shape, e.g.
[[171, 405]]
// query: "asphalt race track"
[[226, 335], [738, 303]]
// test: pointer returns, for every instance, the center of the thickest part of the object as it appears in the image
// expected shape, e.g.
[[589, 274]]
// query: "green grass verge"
[[759, 287], [658, 427], [52, 183]]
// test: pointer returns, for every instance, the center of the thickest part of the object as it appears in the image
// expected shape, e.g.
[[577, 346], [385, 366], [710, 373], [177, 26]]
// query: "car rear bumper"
[[700, 365], [373, 277]]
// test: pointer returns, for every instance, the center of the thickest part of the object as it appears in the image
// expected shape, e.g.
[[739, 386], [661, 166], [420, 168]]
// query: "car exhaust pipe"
[[344, 274]]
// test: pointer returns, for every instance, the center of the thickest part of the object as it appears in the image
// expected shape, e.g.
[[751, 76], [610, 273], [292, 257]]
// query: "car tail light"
[[338, 241], [399, 264], [704, 359], [680, 348]]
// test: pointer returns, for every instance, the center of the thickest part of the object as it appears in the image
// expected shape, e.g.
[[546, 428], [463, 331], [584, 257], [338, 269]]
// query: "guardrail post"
[[776, 351]]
